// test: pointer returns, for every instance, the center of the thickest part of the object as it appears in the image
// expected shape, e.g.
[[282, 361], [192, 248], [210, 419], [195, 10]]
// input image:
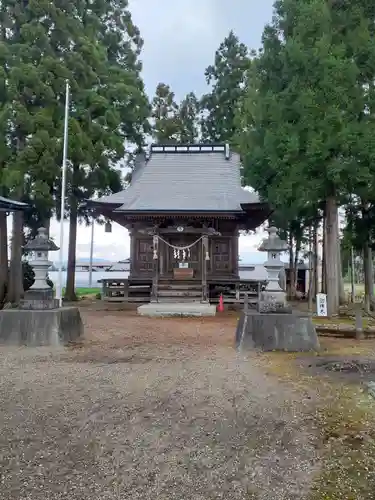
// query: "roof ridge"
[[190, 148]]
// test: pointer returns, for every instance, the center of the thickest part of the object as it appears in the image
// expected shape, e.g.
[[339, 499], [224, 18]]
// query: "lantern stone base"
[[273, 302], [39, 299], [276, 332], [40, 327]]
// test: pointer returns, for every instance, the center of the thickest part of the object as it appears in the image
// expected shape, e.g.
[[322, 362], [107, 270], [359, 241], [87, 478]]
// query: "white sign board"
[[321, 304], [183, 265]]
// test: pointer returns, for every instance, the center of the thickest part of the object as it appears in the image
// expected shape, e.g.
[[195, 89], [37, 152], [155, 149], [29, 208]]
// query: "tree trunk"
[[369, 279], [311, 270], [295, 267], [15, 283], [70, 294], [341, 287], [315, 260], [291, 290], [332, 255], [324, 258], [47, 225], [3, 256]]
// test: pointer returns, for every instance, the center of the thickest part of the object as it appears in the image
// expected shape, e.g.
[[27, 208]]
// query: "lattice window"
[[145, 255], [221, 255]]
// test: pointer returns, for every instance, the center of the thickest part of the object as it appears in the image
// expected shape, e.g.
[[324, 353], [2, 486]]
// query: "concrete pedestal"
[[40, 327], [160, 309], [276, 332]]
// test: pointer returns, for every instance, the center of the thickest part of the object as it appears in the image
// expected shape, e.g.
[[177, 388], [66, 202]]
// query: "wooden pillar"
[[133, 251], [155, 274], [235, 253], [161, 249], [104, 292], [126, 290], [204, 268]]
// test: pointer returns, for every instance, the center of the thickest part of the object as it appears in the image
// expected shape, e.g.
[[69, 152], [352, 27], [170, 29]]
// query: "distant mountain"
[[251, 258], [83, 260]]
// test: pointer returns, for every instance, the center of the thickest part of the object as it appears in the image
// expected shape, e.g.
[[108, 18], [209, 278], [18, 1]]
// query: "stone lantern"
[[273, 299], [274, 327], [40, 295]]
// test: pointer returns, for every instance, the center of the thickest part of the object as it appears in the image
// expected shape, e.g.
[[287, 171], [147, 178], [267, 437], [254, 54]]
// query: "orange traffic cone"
[[220, 307]]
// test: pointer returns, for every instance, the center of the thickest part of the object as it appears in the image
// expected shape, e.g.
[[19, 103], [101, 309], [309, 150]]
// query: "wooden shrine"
[[184, 209]]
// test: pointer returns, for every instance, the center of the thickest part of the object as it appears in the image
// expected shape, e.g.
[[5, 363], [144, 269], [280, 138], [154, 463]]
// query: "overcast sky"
[[180, 39], [181, 36]]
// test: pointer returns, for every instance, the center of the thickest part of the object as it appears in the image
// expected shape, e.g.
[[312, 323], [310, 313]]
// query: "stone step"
[[176, 309]]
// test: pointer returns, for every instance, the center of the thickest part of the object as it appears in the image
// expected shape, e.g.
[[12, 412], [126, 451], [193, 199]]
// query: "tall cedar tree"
[[227, 76], [304, 112], [188, 119], [31, 78], [109, 107], [174, 123], [96, 47], [165, 116]]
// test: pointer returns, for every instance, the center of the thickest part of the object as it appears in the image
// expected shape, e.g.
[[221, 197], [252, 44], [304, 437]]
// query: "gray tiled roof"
[[185, 181]]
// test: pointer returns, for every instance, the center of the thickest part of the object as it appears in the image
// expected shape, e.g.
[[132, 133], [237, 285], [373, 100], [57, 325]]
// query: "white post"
[[91, 252], [63, 189]]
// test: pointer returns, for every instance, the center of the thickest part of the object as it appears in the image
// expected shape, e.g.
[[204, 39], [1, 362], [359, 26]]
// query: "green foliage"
[[95, 47], [30, 79], [29, 276], [307, 119], [303, 121], [360, 227], [172, 122], [188, 118], [227, 78], [165, 116], [211, 118]]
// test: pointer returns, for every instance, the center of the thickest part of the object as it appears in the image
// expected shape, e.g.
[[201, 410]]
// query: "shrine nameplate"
[[183, 273]]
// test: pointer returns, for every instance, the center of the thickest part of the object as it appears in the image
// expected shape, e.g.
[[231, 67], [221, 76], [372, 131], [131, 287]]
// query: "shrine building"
[[184, 209]]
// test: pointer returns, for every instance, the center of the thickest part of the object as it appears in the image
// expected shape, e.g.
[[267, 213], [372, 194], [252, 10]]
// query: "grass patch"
[[345, 417], [84, 292], [341, 321], [348, 436]]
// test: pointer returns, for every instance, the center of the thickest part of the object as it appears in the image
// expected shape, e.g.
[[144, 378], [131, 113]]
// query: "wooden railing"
[[120, 290]]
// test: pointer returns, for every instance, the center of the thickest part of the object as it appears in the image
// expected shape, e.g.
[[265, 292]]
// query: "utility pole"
[[63, 190]]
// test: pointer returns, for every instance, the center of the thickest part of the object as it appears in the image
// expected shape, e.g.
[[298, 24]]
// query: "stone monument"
[[273, 298], [40, 295], [273, 326], [38, 319]]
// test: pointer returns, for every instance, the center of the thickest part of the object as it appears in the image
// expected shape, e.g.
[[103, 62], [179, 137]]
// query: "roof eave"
[[178, 212], [101, 204], [256, 205], [13, 206]]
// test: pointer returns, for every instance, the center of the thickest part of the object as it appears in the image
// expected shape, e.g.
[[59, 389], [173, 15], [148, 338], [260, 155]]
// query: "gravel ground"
[[151, 409]]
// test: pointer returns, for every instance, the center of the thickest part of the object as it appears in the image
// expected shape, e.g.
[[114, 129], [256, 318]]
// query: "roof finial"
[[227, 151]]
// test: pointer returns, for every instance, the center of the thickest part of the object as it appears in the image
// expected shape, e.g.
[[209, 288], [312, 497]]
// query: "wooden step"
[[179, 293], [180, 287], [178, 299]]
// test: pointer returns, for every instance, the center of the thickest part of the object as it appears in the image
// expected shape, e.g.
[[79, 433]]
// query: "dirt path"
[[150, 409]]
